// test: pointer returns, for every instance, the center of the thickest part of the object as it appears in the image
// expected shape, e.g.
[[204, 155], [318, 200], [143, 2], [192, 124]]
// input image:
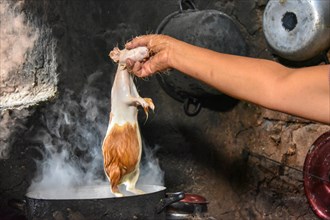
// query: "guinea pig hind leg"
[[131, 182]]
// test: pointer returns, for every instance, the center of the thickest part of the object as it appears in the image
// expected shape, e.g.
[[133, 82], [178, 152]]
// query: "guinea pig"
[[122, 145]]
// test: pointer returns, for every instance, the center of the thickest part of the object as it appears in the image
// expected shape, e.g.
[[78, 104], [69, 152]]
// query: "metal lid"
[[317, 176], [194, 198]]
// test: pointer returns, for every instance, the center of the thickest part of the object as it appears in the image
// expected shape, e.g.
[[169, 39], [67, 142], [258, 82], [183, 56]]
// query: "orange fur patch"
[[121, 151]]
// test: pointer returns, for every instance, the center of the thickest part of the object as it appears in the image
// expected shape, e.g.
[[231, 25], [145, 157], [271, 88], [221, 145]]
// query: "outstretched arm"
[[303, 92]]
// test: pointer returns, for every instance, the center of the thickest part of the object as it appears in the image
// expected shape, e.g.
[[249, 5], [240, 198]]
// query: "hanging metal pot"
[[209, 29], [297, 30]]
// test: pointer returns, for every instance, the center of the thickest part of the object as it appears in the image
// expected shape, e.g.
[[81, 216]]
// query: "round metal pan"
[[97, 202]]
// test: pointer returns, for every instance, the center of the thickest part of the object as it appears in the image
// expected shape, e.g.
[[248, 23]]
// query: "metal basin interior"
[[101, 191]]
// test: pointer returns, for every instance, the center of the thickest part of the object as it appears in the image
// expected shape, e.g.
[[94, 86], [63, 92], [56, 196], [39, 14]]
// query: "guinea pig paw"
[[118, 194], [150, 103]]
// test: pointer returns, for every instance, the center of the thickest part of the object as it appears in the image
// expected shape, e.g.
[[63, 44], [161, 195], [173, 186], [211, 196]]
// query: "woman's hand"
[[160, 48]]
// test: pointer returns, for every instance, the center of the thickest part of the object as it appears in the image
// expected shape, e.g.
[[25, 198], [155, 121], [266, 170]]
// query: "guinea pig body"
[[122, 146]]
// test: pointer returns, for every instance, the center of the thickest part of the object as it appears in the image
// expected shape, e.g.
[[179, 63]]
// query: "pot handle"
[[171, 198], [18, 204], [192, 106], [189, 3]]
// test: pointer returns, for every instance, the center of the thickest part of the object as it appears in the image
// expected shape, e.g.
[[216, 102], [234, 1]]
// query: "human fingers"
[[133, 66], [158, 46], [136, 69], [129, 63], [142, 40], [154, 64], [142, 69], [148, 68]]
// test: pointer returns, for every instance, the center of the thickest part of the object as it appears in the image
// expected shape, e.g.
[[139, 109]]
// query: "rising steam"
[[72, 138]]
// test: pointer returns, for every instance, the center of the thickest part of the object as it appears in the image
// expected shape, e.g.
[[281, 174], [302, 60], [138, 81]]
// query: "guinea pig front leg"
[[146, 103]]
